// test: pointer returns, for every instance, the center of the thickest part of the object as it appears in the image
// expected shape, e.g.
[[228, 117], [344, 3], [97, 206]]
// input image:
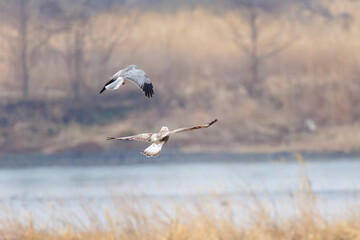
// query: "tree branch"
[[279, 48], [238, 39]]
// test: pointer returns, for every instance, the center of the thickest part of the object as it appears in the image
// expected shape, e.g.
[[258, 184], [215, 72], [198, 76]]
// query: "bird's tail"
[[153, 150]]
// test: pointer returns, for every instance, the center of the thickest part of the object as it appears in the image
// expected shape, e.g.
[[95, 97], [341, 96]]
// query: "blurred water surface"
[[336, 182]]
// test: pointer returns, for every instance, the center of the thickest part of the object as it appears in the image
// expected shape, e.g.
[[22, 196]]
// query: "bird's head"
[[131, 67], [164, 129]]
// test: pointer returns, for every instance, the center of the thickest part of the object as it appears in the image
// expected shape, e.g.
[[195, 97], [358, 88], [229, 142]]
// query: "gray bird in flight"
[[131, 73], [157, 140]]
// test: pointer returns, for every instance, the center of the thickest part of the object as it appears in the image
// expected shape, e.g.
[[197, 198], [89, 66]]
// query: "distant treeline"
[[268, 68]]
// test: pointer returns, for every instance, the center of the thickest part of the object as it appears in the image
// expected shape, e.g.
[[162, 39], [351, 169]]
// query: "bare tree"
[[23, 30], [257, 52], [75, 55], [76, 26], [83, 44], [30, 38]]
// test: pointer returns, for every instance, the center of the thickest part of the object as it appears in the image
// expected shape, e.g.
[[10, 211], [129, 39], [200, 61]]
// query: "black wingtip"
[[212, 122], [148, 89], [107, 84], [110, 138]]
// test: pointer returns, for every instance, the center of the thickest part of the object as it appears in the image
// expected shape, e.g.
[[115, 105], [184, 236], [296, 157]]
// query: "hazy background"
[[280, 75]]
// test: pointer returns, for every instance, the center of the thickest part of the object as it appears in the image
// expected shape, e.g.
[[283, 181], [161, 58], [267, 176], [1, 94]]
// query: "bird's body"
[[157, 140], [133, 74]]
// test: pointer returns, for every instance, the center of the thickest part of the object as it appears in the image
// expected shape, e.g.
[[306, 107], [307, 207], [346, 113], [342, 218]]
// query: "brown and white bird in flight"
[[131, 73], [157, 140]]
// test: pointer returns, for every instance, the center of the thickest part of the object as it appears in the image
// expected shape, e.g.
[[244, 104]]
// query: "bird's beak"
[[124, 82]]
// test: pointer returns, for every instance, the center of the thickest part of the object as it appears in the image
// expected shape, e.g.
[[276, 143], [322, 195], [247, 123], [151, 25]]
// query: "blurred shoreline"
[[114, 158], [63, 126]]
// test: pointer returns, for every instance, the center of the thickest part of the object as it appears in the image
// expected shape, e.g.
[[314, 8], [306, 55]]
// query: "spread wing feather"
[[192, 128], [140, 78], [114, 82], [139, 137]]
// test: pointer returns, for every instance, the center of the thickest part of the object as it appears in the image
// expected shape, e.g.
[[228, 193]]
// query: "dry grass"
[[193, 58], [218, 218]]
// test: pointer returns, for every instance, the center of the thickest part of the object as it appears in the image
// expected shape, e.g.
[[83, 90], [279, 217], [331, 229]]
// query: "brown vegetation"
[[262, 77]]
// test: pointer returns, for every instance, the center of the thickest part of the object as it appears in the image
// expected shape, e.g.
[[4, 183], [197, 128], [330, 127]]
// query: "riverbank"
[[52, 127]]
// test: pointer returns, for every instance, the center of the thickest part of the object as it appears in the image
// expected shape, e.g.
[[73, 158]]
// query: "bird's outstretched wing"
[[139, 77], [192, 128], [114, 82], [153, 150], [139, 137]]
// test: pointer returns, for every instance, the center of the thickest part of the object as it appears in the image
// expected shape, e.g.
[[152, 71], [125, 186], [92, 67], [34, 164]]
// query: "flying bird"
[[157, 140], [130, 73]]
